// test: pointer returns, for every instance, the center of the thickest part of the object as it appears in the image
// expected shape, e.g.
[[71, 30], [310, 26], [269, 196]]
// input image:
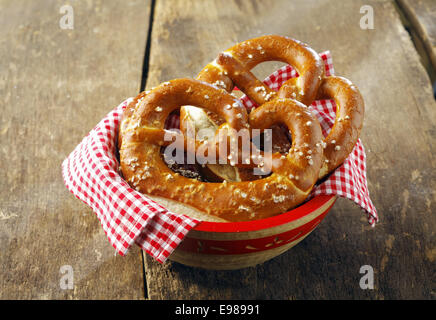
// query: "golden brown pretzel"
[[232, 67], [206, 123], [290, 182], [348, 123]]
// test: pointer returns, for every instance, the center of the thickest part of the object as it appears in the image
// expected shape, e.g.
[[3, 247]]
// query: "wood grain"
[[421, 16], [399, 134], [55, 85]]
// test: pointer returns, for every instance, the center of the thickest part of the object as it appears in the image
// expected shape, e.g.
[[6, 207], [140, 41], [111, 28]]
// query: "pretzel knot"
[[240, 196], [232, 68], [292, 176]]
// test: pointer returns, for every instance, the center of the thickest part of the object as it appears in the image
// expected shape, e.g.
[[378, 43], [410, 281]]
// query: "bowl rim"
[[255, 225]]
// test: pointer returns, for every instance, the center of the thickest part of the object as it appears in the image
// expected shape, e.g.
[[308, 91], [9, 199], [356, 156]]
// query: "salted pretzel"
[[348, 122], [292, 178], [206, 123], [232, 67]]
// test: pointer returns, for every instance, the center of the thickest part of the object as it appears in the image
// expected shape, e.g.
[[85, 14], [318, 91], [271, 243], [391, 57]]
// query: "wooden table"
[[56, 84]]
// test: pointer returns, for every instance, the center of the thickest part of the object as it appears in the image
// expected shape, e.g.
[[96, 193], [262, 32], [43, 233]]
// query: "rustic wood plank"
[[421, 15], [399, 135], [55, 85]]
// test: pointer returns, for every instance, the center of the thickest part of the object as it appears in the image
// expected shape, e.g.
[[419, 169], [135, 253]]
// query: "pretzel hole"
[[185, 169], [281, 140], [261, 71], [177, 160], [264, 69], [169, 121]]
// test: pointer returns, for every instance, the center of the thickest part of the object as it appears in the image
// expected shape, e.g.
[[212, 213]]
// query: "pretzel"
[[200, 120], [290, 182], [348, 122], [232, 67]]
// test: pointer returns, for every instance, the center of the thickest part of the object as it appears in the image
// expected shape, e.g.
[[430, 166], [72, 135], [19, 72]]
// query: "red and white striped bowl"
[[236, 245]]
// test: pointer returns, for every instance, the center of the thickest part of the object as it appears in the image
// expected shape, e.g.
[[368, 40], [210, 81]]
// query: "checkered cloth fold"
[[90, 172]]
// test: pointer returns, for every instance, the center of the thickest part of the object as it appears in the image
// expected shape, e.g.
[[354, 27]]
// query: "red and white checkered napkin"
[[90, 172]]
